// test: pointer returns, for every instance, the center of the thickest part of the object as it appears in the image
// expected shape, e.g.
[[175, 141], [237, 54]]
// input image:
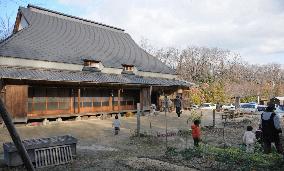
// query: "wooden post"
[[224, 123], [166, 104], [15, 137], [150, 93], [110, 103], [79, 99], [214, 112], [118, 103], [151, 88], [141, 101], [70, 100], [138, 119]]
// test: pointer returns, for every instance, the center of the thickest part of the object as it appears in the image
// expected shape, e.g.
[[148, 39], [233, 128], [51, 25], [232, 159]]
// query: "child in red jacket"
[[196, 132]]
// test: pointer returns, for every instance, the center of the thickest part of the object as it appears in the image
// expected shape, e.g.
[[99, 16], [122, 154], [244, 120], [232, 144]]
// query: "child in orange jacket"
[[196, 132]]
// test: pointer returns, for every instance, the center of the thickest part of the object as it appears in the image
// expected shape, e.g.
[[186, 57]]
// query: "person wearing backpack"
[[270, 127]]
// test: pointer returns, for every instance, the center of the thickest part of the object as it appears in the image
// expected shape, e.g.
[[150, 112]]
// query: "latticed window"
[[90, 63], [128, 68]]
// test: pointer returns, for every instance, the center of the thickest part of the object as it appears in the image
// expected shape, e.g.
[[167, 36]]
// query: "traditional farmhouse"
[[58, 65]]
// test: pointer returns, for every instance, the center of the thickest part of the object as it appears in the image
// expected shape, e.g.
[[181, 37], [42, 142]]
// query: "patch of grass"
[[234, 158], [144, 137]]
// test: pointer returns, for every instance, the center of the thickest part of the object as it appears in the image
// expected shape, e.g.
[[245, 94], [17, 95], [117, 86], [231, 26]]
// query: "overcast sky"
[[253, 28]]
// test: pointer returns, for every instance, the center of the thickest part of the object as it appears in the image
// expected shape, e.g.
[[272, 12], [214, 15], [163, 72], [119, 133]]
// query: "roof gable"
[[57, 37]]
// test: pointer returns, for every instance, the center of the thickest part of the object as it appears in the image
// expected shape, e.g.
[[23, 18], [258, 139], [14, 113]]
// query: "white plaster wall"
[[153, 74], [111, 70], [23, 24], [38, 64]]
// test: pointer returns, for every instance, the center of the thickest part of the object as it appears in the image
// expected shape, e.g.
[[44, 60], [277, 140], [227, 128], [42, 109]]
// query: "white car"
[[194, 107], [207, 106], [229, 107]]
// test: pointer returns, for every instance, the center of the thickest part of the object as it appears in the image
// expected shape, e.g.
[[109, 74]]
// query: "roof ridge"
[[74, 17]]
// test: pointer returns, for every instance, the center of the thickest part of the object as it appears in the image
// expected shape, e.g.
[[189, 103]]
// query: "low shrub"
[[129, 114], [171, 151], [235, 158], [184, 132]]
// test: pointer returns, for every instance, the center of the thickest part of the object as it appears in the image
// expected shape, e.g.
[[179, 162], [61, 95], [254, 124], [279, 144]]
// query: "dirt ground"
[[99, 149]]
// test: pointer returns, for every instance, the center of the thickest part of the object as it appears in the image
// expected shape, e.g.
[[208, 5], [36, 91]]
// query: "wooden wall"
[[45, 101], [145, 98], [16, 97], [49, 101], [28, 102]]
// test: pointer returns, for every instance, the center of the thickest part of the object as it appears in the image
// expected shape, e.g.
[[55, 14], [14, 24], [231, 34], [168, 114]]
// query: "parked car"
[[261, 108], [280, 110], [194, 107], [207, 106], [248, 108], [228, 107]]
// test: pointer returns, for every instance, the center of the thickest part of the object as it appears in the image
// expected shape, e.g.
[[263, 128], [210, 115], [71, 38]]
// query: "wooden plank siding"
[[16, 97], [45, 101], [145, 98], [49, 101]]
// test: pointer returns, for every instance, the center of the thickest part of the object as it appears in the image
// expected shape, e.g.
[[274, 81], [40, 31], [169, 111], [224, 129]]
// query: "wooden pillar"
[[214, 116], [110, 103], [150, 94], [141, 100], [71, 101], [118, 103], [151, 88], [45, 111], [79, 99]]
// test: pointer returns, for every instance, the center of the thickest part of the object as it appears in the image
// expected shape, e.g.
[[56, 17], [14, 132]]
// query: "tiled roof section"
[[71, 16], [83, 76], [57, 37]]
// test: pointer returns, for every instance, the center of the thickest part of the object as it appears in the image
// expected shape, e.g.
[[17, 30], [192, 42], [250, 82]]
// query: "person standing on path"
[[249, 139], [270, 126], [196, 132], [116, 125], [178, 105]]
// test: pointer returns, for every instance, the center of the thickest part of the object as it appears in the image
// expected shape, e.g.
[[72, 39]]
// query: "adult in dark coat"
[[270, 126], [178, 105]]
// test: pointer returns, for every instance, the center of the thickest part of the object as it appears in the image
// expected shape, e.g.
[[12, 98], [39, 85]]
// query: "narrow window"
[[89, 63], [128, 68]]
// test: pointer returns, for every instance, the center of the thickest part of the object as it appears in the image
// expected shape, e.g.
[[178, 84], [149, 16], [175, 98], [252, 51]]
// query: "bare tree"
[[6, 27], [224, 69]]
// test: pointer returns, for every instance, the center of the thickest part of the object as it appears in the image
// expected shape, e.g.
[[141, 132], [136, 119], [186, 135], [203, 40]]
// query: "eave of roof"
[[83, 76]]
